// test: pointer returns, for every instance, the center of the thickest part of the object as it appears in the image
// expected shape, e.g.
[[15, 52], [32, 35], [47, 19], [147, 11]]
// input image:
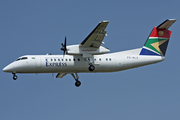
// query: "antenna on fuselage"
[[48, 54]]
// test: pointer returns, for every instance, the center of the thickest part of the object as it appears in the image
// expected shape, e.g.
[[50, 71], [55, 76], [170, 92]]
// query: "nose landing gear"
[[14, 76], [77, 83]]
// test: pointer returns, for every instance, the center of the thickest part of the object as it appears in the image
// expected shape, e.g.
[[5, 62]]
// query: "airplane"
[[90, 57]]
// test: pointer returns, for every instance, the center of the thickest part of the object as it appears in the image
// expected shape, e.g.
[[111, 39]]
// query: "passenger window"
[[106, 59], [58, 59], [61, 59], [74, 59], [109, 59], [78, 59], [46, 60], [51, 59], [99, 59], [66, 59], [54, 59], [94, 59], [69, 59]]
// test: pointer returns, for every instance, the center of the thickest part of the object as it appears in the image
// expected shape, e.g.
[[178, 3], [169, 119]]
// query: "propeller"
[[64, 46]]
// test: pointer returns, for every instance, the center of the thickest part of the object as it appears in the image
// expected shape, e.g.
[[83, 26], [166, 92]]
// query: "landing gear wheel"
[[77, 83], [75, 76], [91, 68], [15, 77]]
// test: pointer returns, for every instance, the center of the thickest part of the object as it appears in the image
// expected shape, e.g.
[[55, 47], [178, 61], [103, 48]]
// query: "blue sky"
[[38, 27]]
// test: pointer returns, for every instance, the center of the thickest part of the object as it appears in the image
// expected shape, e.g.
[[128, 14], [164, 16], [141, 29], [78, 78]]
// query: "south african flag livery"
[[157, 42]]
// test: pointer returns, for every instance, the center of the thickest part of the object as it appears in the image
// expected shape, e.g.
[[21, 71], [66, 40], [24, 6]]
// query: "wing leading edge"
[[95, 38]]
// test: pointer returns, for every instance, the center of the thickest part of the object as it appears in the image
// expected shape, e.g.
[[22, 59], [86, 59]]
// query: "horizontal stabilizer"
[[166, 24]]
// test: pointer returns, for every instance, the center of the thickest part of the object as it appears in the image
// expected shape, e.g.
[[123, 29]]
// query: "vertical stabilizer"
[[157, 41]]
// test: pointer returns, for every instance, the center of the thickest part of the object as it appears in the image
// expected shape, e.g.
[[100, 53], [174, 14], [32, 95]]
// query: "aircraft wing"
[[95, 38], [61, 75]]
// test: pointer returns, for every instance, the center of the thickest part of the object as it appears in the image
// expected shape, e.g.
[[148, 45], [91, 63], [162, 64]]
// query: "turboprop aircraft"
[[90, 57]]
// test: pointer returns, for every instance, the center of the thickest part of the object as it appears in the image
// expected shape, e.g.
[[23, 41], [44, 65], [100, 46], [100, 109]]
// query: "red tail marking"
[[163, 33]]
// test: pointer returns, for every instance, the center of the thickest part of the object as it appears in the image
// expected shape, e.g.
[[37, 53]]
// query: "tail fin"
[[157, 41]]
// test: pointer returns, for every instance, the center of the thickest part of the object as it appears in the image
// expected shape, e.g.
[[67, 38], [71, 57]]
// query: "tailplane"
[[157, 41]]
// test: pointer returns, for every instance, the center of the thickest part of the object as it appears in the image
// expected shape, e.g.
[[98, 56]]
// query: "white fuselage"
[[76, 63]]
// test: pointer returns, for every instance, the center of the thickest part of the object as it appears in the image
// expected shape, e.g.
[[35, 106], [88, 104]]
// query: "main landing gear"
[[91, 68], [76, 77], [14, 76], [90, 62]]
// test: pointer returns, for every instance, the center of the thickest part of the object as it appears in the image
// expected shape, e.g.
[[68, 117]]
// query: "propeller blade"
[[62, 44], [64, 49], [65, 43]]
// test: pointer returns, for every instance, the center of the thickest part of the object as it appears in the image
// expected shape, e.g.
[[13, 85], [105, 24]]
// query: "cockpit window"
[[18, 59], [23, 58]]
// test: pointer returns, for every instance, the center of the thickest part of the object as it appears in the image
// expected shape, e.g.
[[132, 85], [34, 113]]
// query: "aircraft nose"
[[7, 68]]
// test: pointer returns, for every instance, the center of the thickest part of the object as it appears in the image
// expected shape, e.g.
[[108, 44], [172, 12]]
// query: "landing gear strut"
[[14, 76], [77, 83]]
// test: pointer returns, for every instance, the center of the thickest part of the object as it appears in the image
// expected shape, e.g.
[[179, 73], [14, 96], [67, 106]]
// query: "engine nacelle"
[[76, 49]]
